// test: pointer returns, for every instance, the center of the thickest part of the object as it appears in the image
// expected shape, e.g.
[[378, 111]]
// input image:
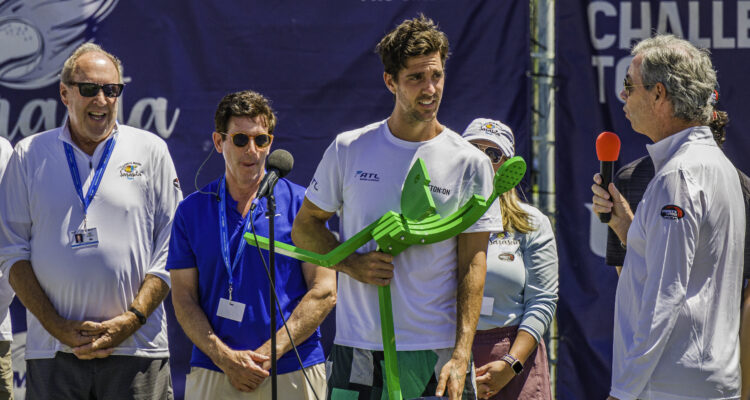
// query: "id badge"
[[233, 310], [487, 304], [84, 238]]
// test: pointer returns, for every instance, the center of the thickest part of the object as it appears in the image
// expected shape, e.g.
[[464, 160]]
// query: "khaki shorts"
[[202, 383]]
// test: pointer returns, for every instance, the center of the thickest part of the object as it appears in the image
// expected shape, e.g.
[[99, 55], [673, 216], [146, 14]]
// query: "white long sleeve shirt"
[[132, 212], [677, 307]]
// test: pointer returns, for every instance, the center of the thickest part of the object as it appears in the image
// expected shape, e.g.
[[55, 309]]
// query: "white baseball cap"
[[494, 131]]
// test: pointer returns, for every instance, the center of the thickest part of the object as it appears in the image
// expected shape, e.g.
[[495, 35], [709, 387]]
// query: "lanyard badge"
[[87, 237]]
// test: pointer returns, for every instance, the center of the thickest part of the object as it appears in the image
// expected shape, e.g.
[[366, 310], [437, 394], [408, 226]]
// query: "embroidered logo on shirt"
[[672, 212], [314, 184], [506, 257], [130, 170], [176, 183], [367, 176]]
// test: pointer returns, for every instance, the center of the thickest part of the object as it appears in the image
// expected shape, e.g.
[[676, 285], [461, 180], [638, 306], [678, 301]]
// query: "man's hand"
[[75, 333], [111, 333], [492, 377], [614, 202], [374, 267], [244, 370], [452, 378]]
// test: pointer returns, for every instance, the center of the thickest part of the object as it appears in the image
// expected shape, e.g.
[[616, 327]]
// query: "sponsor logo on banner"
[[367, 176], [672, 212], [35, 39]]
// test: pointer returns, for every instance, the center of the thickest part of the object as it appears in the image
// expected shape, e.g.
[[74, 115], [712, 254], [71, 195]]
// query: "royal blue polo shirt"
[[195, 242]]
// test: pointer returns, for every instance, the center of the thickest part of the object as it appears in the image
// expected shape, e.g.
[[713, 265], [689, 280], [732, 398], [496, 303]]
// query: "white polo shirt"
[[132, 212]]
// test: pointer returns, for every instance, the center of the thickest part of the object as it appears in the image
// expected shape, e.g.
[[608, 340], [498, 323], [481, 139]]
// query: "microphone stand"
[[271, 213]]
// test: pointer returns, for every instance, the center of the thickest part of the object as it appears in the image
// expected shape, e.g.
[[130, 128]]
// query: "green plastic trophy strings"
[[417, 224]]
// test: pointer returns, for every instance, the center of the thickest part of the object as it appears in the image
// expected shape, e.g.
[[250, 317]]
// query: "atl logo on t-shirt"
[[367, 176]]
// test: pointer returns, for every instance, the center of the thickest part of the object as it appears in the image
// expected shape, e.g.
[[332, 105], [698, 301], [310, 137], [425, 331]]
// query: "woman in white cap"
[[520, 290]]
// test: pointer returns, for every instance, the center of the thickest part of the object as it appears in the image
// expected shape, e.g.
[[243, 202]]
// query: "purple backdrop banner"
[[314, 59], [593, 54]]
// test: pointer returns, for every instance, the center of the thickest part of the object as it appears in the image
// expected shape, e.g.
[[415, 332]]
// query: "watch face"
[[517, 367]]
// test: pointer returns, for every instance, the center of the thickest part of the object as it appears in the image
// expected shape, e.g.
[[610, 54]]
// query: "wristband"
[[139, 315]]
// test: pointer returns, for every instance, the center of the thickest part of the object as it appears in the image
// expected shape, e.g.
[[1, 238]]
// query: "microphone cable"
[[278, 306], [195, 180]]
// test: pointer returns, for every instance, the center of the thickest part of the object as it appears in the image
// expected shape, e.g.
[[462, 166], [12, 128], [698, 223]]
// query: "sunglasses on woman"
[[87, 89], [495, 155], [241, 139]]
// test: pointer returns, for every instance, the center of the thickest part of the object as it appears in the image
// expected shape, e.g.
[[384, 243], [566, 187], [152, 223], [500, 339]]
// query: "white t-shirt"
[[6, 292], [361, 176], [132, 212], [677, 307]]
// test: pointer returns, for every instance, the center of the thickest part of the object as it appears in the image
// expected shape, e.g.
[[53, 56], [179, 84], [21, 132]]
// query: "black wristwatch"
[[139, 315], [515, 365]]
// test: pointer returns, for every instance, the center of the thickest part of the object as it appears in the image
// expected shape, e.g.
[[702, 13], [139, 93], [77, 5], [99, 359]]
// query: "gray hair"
[[66, 76], [685, 71]]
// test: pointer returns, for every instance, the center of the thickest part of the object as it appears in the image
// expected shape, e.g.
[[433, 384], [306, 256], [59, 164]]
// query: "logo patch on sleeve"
[[672, 212]]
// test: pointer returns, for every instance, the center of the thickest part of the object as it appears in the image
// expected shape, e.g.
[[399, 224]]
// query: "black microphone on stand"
[[278, 164]]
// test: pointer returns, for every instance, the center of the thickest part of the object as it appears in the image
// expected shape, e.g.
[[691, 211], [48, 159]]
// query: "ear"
[[389, 82], [64, 93], [660, 92], [216, 136]]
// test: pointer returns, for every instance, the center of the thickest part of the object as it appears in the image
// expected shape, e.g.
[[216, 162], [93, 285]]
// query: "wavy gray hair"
[[685, 71], [66, 76]]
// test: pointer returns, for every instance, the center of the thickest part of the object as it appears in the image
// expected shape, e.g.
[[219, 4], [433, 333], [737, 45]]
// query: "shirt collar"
[[66, 137], [664, 149]]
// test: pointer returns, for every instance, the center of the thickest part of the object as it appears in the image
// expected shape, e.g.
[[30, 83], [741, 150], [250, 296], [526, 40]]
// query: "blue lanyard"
[[100, 168], [224, 233]]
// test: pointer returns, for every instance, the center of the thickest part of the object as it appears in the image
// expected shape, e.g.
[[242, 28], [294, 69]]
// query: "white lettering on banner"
[[38, 115], [602, 13]]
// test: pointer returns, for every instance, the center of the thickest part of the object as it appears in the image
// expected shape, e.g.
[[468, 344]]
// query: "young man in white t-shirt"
[[436, 289]]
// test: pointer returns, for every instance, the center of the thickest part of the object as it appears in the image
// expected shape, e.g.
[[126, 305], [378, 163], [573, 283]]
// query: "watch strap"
[[139, 315], [515, 365]]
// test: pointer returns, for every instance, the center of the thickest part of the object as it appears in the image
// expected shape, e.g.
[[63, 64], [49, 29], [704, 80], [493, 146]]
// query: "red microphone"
[[607, 151]]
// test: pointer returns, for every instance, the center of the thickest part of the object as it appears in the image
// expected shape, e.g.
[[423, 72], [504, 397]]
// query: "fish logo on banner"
[[36, 36]]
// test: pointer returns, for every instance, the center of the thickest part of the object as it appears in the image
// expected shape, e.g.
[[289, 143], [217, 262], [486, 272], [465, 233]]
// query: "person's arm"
[[540, 301], [614, 202], [242, 367], [309, 232], [472, 267], [493, 376], [115, 330], [24, 282], [309, 313]]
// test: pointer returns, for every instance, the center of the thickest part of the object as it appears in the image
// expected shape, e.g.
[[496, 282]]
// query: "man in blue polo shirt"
[[220, 288]]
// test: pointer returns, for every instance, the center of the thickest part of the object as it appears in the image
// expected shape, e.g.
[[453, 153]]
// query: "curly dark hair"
[[243, 104], [413, 37]]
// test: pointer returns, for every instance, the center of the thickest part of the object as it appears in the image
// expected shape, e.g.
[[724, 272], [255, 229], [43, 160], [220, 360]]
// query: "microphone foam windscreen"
[[607, 146], [281, 160]]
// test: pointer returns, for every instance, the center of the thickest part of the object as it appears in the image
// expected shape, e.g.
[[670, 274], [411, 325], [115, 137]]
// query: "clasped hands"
[[90, 339]]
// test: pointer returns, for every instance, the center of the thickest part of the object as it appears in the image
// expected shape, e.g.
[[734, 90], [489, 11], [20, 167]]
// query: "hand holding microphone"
[[607, 151]]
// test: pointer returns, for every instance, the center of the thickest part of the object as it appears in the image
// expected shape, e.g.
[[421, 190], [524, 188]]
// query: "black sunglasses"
[[87, 89], [628, 86], [241, 139], [494, 154]]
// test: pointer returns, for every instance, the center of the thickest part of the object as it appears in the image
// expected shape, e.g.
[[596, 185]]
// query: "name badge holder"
[[229, 308], [87, 237]]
